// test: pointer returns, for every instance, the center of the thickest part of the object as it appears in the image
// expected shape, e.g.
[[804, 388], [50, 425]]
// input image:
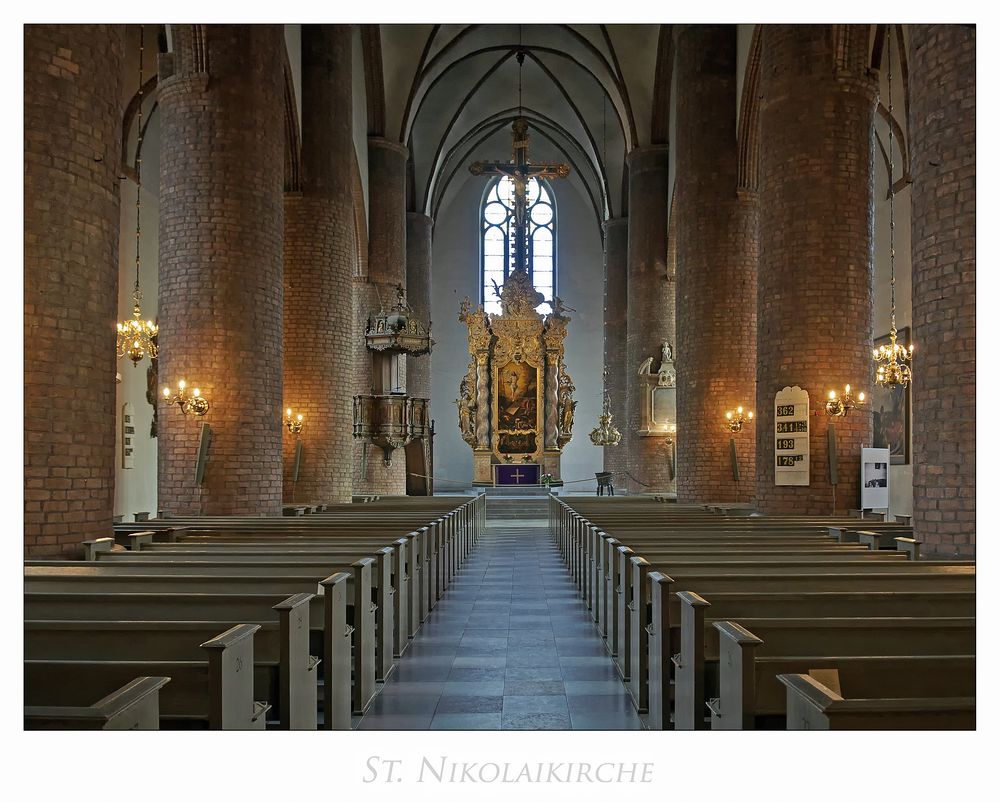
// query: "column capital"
[[648, 157], [388, 144]]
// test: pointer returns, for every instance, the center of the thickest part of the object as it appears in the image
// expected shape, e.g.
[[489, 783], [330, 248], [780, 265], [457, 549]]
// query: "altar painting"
[[518, 398]]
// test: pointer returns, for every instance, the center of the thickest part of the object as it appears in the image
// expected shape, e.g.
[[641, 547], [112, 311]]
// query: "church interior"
[[499, 376]]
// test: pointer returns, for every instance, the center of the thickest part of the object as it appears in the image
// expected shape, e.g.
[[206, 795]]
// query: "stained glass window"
[[497, 243]]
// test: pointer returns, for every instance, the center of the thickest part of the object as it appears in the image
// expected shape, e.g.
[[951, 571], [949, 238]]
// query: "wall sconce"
[[735, 421], [293, 424], [195, 403], [838, 405]]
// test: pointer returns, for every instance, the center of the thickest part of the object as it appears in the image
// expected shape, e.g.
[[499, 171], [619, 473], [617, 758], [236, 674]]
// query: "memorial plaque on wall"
[[791, 437]]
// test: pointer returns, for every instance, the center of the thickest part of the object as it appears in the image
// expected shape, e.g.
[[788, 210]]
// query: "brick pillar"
[[814, 292], [221, 221], [386, 269], [72, 151], [650, 307], [716, 272], [319, 266], [615, 327], [942, 128], [419, 234]]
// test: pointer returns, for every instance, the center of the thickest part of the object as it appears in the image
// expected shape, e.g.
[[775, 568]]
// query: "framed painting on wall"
[[891, 412]]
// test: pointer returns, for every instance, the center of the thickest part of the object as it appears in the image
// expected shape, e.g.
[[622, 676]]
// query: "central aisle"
[[509, 646]]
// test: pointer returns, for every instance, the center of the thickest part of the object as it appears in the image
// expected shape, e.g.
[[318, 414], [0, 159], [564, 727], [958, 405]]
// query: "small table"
[[513, 474]]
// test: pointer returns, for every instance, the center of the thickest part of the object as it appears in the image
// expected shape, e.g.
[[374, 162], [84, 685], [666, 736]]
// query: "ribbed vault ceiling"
[[451, 92]]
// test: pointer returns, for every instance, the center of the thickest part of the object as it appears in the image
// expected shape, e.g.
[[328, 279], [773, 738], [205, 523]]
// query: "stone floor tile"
[[466, 721], [535, 721], [469, 704]]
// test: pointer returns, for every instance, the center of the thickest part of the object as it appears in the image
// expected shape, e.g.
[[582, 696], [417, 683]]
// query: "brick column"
[[319, 265], [814, 296], [386, 269], [650, 306], [942, 128], [419, 234], [615, 327], [716, 272], [72, 151], [221, 221]]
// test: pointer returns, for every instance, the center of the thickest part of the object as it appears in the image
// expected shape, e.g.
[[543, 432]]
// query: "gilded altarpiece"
[[515, 402]]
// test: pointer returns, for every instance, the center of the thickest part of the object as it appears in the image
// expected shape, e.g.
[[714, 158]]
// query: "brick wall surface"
[[650, 305], [72, 147], [319, 249], [814, 297], [716, 272], [221, 226], [943, 225], [615, 339]]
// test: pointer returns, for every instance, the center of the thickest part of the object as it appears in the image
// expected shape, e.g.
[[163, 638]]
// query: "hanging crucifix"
[[520, 171]]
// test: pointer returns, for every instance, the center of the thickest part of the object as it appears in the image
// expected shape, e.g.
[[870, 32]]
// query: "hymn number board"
[[791, 437]]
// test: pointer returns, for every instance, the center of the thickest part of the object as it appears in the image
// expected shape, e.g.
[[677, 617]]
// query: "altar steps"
[[523, 510]]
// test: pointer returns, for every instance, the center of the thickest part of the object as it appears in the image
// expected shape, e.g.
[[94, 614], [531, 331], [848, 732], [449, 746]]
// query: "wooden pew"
[[135, 706], [754, 653], [409, 564], [811, 705], [387, 595], [651, 593], [328, 619], [286, 673], [71, 576], [698, 639], [683, 540], [217, 691], [616, 589]]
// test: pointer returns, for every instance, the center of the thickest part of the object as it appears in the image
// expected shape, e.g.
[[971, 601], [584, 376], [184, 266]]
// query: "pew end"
[[135, 706], [658, 638], [811, 705], [137, 540], [910, 546], [689, 663], [298, 679], [736, 650], [92, 548], [230, 666], [337, 635]]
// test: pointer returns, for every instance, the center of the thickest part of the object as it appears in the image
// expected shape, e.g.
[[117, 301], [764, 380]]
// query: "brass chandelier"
[[605, 433], [137, 337], [892, 360]]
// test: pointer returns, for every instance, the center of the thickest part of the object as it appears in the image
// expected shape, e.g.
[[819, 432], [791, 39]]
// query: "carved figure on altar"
[[558, 307], [567, 408], [466, 411]]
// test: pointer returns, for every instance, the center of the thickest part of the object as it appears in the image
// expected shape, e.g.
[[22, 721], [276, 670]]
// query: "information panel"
[[875, 478], [791, 437]]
